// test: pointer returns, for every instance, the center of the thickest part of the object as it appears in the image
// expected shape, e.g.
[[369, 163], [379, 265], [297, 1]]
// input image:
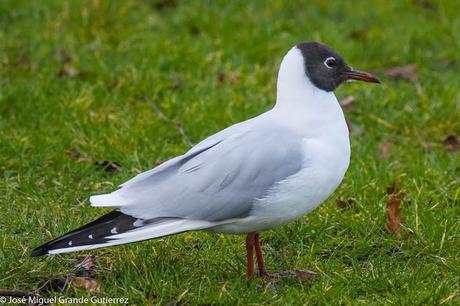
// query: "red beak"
[[361, 76]]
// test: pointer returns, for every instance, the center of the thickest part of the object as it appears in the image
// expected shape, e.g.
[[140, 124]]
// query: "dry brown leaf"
[[404, 72], [87, 283], [220, 78], [61, 283], [348, 102], [451, 142], [82, 278], [394, 220]]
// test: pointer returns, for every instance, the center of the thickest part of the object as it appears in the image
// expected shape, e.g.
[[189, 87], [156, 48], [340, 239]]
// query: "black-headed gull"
[[251, 177]]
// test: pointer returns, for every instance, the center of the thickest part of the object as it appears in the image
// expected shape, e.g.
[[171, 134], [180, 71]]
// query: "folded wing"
[[218, 179]]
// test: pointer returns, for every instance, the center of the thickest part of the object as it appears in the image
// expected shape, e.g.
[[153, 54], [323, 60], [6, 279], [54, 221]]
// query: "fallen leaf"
[[348, 102], [62, 283], [88, 283], [82, 75], [394, 220], [451, 142], [108, 166], [385, 149], [220, 78], [404, 72]]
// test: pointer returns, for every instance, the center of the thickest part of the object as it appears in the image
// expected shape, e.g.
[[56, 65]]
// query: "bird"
[[251, 177]]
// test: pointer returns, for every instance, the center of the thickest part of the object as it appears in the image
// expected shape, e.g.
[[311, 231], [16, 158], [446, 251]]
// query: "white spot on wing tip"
[[70, 243], [114, 230], [90, 236], [138, 222]]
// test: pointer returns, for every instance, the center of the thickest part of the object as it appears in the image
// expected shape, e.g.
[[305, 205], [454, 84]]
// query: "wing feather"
[[218, 179]]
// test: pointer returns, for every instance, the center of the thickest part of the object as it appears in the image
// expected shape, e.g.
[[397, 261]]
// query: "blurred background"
[[93, 92]]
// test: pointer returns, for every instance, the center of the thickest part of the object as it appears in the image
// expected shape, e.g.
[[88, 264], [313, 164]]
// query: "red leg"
[[250, 240], [260, 256]]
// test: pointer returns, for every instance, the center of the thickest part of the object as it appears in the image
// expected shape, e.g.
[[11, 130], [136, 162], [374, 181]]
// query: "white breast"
[[324, 168]]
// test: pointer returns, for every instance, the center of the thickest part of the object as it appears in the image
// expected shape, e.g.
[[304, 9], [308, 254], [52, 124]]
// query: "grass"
[[73, 76]]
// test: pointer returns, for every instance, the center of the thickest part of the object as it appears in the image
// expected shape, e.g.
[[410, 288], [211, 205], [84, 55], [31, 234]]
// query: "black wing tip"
[[45, 248], [40, 251]]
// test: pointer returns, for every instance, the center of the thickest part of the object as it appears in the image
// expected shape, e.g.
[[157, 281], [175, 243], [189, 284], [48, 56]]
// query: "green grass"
[[125, 50]]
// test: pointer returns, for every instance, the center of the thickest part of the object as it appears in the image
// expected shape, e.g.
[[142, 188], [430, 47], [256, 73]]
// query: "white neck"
[[301, 104], [294, 87]]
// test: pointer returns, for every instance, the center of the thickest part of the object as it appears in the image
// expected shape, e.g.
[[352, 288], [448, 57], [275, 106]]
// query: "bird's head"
[[326, 69]]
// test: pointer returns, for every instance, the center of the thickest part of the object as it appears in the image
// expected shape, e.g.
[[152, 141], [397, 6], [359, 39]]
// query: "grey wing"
[[216, 180]]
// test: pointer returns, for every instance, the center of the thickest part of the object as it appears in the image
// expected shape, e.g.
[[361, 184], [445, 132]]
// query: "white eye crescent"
[[329, 62]]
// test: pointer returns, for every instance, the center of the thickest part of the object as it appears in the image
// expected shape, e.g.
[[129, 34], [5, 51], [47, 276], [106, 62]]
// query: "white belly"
[[325, 164]]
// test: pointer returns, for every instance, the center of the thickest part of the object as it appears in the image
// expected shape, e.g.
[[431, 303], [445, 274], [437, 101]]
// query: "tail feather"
[[108, 231]]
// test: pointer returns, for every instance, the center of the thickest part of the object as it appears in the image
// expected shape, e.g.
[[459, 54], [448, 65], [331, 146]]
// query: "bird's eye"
[[329, 62]]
